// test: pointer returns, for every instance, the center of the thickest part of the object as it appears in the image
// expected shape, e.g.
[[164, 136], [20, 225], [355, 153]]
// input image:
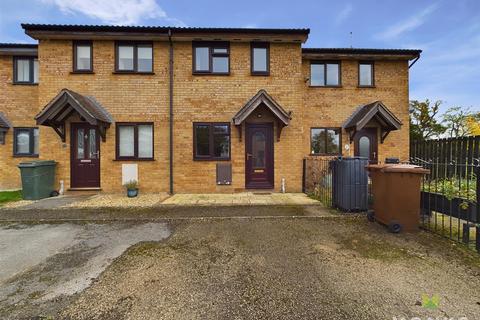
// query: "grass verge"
[[9, 196]]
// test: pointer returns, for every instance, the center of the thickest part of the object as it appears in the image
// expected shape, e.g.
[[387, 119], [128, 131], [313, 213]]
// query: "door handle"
[[249, 155], [374, 155]]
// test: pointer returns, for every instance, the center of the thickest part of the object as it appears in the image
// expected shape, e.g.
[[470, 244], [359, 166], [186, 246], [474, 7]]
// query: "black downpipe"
[[171, 107]]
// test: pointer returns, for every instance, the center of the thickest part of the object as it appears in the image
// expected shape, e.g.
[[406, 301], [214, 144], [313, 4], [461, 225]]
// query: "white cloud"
[[118, 12], [407, 25], [344, 14]]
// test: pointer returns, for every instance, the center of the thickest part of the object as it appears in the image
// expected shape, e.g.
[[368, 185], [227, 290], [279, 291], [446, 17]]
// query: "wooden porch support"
[[239, 128]]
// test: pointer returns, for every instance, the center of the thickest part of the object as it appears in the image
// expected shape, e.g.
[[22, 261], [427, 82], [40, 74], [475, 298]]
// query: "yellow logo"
[[430, 303]]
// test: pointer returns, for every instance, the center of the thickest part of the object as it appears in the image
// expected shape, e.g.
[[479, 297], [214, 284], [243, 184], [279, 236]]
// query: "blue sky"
[[447, 31]]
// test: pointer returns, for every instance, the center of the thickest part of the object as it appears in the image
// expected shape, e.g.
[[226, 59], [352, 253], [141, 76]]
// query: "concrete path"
[[244, 198], [47, 262]]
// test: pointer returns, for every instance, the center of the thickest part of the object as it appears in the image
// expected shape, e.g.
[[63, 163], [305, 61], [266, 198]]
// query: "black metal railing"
[[344, 188], [449, 199], [317, 179]]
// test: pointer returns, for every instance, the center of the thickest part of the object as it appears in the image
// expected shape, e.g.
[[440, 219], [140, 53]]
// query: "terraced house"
[[194, 109]]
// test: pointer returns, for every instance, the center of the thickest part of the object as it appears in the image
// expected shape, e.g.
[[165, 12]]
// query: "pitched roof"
[[18, 45], [375, 110], [161, 29], [262, 97], [11, 49], [4, 123], [362, 52], [86, 106]]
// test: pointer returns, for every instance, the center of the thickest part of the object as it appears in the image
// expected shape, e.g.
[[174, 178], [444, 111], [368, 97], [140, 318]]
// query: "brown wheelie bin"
[[396, 195]]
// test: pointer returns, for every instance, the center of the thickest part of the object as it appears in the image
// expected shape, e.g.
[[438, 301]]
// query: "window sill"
[[134, 72], [211, 159], [325, 154], [366, 87], [25, 155], [264, 74], [24, 84], [133, 159], [210, 73], [82, 72], [334, 87]]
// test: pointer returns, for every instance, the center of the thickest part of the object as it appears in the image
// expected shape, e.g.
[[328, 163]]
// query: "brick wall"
[[19, 103], [128, 98], [203, 98], [330, 107]]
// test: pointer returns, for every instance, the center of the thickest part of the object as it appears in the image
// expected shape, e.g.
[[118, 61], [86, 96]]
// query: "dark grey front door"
[[366, 145]]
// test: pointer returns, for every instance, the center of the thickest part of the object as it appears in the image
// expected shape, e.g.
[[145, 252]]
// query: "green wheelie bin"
[[38, 179]]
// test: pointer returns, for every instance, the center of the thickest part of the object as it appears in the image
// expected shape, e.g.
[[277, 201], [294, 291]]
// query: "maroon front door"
[[85, 156], [259, 156]]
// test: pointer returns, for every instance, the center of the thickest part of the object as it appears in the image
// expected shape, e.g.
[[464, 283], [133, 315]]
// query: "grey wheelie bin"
[[38, 179]]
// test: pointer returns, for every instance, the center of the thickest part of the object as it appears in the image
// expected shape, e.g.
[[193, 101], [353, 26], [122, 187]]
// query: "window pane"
[[220, 64], [220, 129], [220, 50], [35, 71], [364, 147], [80, 144], [83, 57], [221, 146], [145, 141], [317, 74], [258, 150], [365, 74], [202, 137], [36, 138], [125, 58], [260, 59], [333, 141], [23, 141], [127, 143], [92, 144], [2, 137], [201, 59], [145, 59], [318, 141], [23, 70], [332, 74]]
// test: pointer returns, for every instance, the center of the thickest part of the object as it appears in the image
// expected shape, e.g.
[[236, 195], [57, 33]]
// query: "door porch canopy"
[[69, 102], [375, 111], [262, 98], [4, 123]]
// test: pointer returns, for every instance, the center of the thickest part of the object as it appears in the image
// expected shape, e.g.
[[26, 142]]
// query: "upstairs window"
[[25, 142], [211, 141], [25, 70], [260, 58], [82, 56], [211, 58], [325, 74], [365, 74], [134, 57], [325, 141]]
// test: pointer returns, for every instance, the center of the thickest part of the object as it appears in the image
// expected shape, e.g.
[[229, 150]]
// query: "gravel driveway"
[[334, 267], [324, 268]]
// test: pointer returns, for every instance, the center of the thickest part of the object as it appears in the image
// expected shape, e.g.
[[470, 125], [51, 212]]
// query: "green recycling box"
[[38, 179]]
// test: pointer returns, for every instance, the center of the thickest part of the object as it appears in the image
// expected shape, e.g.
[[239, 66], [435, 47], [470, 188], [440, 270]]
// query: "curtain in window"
[[23, 70], [145, 141], [127, 141]]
